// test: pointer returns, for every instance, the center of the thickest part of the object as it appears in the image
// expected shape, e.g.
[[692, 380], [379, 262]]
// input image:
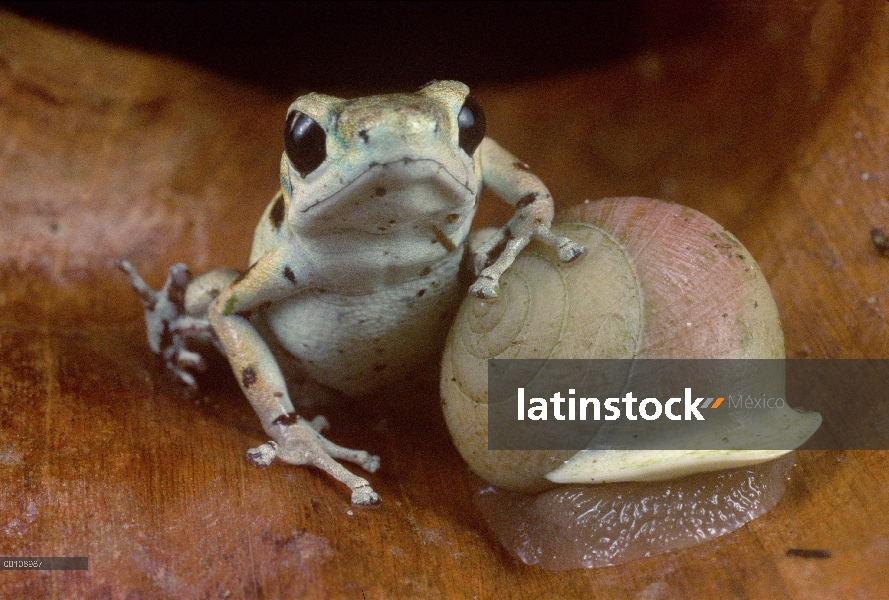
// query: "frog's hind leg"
[[280, 274], [176, 315]]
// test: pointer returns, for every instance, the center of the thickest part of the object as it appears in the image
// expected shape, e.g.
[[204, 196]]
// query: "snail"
[[660, 281]]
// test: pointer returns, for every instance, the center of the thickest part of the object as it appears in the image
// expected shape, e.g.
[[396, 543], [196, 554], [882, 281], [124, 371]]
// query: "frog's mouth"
[[410, 187]]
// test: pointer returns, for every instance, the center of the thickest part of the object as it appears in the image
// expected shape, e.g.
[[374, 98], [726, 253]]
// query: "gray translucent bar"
[[754, 404], [44, 563]]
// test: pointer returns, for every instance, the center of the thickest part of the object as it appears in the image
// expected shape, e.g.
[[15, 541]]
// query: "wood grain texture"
[[775, 123]]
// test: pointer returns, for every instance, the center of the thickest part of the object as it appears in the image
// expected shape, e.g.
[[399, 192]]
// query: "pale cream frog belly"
[[359, 344]]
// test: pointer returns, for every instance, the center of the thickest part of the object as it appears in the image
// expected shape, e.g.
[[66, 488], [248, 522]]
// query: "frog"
[[355, 268]]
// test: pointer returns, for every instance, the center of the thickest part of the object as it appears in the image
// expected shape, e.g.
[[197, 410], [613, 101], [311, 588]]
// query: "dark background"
[[381, 46]]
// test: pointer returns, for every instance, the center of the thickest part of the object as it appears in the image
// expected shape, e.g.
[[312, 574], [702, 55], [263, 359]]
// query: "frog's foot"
[[301, 443], [525, 226], [167, 326]]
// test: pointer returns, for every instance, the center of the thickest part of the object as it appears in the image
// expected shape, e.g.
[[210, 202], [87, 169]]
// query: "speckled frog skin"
[[353, 275]]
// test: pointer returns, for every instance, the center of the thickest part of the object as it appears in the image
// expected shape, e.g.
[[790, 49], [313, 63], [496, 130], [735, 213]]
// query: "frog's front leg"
[[510, 179], [279, 274], [176, 314]]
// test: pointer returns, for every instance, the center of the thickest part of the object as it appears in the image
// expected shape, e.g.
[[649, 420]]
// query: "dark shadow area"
[[381, 45]]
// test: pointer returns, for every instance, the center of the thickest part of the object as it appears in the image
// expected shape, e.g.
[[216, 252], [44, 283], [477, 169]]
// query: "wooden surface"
[[775, 122]]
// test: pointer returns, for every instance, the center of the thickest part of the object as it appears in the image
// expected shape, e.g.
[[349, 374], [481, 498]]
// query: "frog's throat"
[[374, 165]]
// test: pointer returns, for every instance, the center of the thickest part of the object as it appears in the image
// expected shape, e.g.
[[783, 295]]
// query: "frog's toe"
[[186, 359], [485, 287], [371, 464], [320, 423], [262, 456], [147, 296], [365, 496], [184, 376], [569, 251]]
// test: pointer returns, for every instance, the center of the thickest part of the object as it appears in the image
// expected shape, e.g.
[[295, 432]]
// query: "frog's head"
[[391, 159]]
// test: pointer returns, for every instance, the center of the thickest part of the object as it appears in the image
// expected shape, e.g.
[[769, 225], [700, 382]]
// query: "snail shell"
[[660, 281]]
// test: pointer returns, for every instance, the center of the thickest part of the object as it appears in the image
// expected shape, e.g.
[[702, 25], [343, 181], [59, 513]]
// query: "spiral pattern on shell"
[[660, 280]]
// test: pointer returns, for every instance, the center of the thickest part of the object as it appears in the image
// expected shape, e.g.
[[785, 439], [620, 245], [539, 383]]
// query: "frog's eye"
[[471, 122], [304, 143]]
